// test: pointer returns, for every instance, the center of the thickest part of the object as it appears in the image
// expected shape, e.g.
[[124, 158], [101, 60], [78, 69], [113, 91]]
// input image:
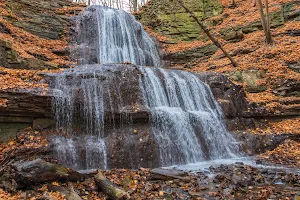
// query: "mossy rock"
[[250, 77]]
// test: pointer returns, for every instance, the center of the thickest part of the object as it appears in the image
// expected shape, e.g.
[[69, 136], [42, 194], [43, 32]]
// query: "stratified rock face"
[[23, 109], [131, 116], [170, 19], [105, 35], [28, 26], [43, 20]]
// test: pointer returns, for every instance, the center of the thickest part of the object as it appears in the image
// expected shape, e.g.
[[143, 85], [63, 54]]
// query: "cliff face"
[[33, 38], [33, 33], [169, 18]]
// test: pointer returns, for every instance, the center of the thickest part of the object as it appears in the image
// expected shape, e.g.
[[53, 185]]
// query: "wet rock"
[[231, 98], [255, 143]]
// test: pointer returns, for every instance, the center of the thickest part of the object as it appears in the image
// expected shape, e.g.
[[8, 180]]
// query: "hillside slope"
[[269, 74]]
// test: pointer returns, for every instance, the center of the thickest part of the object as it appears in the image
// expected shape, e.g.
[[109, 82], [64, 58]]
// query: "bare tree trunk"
[[265, 21], [268, 22], [206, 31]]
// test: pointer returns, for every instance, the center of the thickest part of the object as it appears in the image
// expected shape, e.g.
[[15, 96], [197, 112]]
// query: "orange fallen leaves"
[[21, 79], [286, 126], [287, 153]]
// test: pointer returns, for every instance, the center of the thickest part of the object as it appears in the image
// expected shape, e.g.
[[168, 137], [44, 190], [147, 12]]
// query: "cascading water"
[[187, 121], [107, 35], [108, 114]]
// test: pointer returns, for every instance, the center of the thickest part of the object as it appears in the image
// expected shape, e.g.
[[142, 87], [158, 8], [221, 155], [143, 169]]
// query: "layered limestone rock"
[[33, 22]]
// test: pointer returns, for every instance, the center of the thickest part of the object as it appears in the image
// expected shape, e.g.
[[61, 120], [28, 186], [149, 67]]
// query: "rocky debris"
[[219, 181], [287, 153]]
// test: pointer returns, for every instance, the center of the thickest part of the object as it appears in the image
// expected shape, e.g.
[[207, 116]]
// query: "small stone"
[[239, 163]]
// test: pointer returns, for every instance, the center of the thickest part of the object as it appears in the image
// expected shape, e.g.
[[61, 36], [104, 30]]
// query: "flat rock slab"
[[168, 174]]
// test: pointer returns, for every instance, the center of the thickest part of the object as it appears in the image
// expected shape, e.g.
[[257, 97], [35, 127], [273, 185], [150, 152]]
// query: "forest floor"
[[281, 180]]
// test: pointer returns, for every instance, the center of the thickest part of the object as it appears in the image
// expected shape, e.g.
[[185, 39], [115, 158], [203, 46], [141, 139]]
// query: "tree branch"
[[206, 31]]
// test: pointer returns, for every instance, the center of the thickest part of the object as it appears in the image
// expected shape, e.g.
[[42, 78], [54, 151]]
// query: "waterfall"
[[187, 121], [107, 35], [124, 115]]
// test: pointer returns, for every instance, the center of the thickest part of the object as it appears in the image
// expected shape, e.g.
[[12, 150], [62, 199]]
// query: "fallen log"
[[39, 171], [111, 190]]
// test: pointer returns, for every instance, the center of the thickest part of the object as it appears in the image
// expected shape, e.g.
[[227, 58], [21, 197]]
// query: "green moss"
[[170, 19]]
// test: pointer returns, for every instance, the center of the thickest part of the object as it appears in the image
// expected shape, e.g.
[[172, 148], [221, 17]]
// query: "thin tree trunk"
[[268, 23], [206, 31], [264, 22]]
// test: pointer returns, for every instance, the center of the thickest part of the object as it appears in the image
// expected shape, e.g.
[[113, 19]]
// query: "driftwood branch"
[[109, 188], [210, 36]]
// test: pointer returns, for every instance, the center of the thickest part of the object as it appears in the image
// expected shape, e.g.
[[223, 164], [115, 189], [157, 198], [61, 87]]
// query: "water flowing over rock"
[[106, 35], [133, 116], [187, 121], [129, 116]]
